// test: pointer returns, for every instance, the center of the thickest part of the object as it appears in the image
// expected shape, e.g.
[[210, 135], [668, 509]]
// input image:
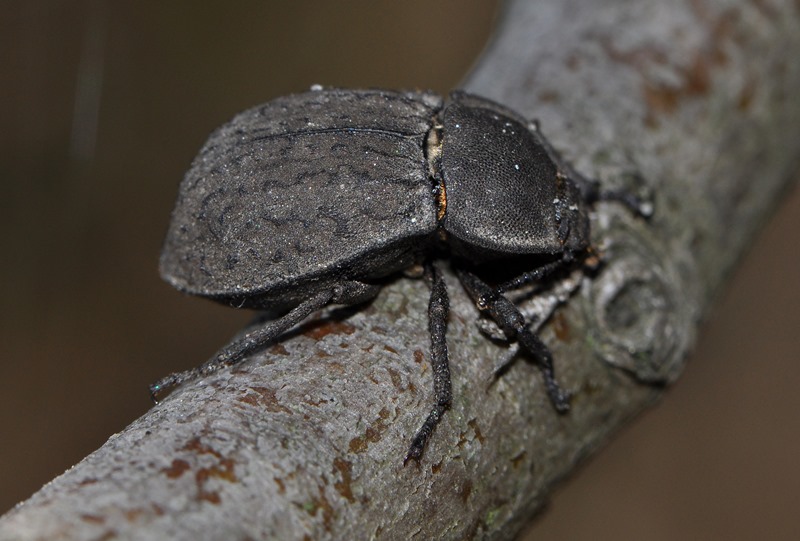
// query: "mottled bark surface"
[[694, 102]]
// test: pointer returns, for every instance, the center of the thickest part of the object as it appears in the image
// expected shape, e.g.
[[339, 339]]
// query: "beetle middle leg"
[[438, 310], [255, 339], [512, 322]]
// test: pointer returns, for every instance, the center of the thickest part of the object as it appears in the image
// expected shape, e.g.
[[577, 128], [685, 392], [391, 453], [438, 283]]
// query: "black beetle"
[[309, 199]]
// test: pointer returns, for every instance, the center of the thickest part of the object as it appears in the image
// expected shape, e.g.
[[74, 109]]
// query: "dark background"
[[102, 107]]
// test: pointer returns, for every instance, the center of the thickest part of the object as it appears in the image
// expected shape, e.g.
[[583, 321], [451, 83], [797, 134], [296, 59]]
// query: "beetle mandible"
[[309, 199]]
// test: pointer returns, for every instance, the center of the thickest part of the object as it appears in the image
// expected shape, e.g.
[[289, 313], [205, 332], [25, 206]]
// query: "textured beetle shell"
[[502, 186], [301, 192]]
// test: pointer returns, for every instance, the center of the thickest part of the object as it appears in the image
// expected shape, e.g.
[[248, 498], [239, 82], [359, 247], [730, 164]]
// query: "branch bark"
[[689, 100]]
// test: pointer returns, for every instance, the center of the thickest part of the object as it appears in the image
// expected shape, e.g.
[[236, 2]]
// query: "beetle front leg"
[[591, 190], [438, 310], [513, 324], [536, 275]]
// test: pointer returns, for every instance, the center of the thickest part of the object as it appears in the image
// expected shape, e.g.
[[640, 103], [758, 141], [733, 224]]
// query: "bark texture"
[[693, 101]]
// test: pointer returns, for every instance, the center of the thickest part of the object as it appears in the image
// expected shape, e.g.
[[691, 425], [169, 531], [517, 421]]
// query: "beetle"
[[311, 199]]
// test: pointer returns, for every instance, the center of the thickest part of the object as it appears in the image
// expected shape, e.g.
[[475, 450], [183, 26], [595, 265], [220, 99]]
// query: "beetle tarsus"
[[421, 438], [642, 207], [559, 397]]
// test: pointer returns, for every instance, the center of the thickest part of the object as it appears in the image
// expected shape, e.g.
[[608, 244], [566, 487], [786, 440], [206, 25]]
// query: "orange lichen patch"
[[659, 99], [224, 470], [211, 496], [473, 424], [746, 95], [335, 367], [517, 460], [360, 444], [320, 330], [695, 78], [573, 62], [548, 96], [419, 356], [133, 514], [372, 434], [466, 490], [315, 403], [395, 376], [343, 487], [278, 349], [696, 83], [281, 486], [561, 327], [264, 397], [176, 469], [321, 503]]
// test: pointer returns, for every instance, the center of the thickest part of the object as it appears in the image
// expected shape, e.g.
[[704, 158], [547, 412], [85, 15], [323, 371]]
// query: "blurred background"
[[102, 107]]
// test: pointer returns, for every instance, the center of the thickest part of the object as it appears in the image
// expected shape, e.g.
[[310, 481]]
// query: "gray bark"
[[692, 101]]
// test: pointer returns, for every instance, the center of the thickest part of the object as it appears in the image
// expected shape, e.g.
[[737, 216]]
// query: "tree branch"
[[693, 101]]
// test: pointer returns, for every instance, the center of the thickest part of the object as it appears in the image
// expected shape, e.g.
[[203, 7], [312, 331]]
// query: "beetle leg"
[[558, 396], [513, 323], [257, 338], [590, 189], [438, 310], [537, 274], [636, 204]]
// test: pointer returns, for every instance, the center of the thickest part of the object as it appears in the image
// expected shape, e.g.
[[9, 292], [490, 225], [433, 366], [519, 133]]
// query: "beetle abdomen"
[[307, 186]]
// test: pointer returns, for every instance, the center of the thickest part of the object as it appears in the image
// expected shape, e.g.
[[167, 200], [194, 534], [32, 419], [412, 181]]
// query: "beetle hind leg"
[[260, 336], [438, 310]]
